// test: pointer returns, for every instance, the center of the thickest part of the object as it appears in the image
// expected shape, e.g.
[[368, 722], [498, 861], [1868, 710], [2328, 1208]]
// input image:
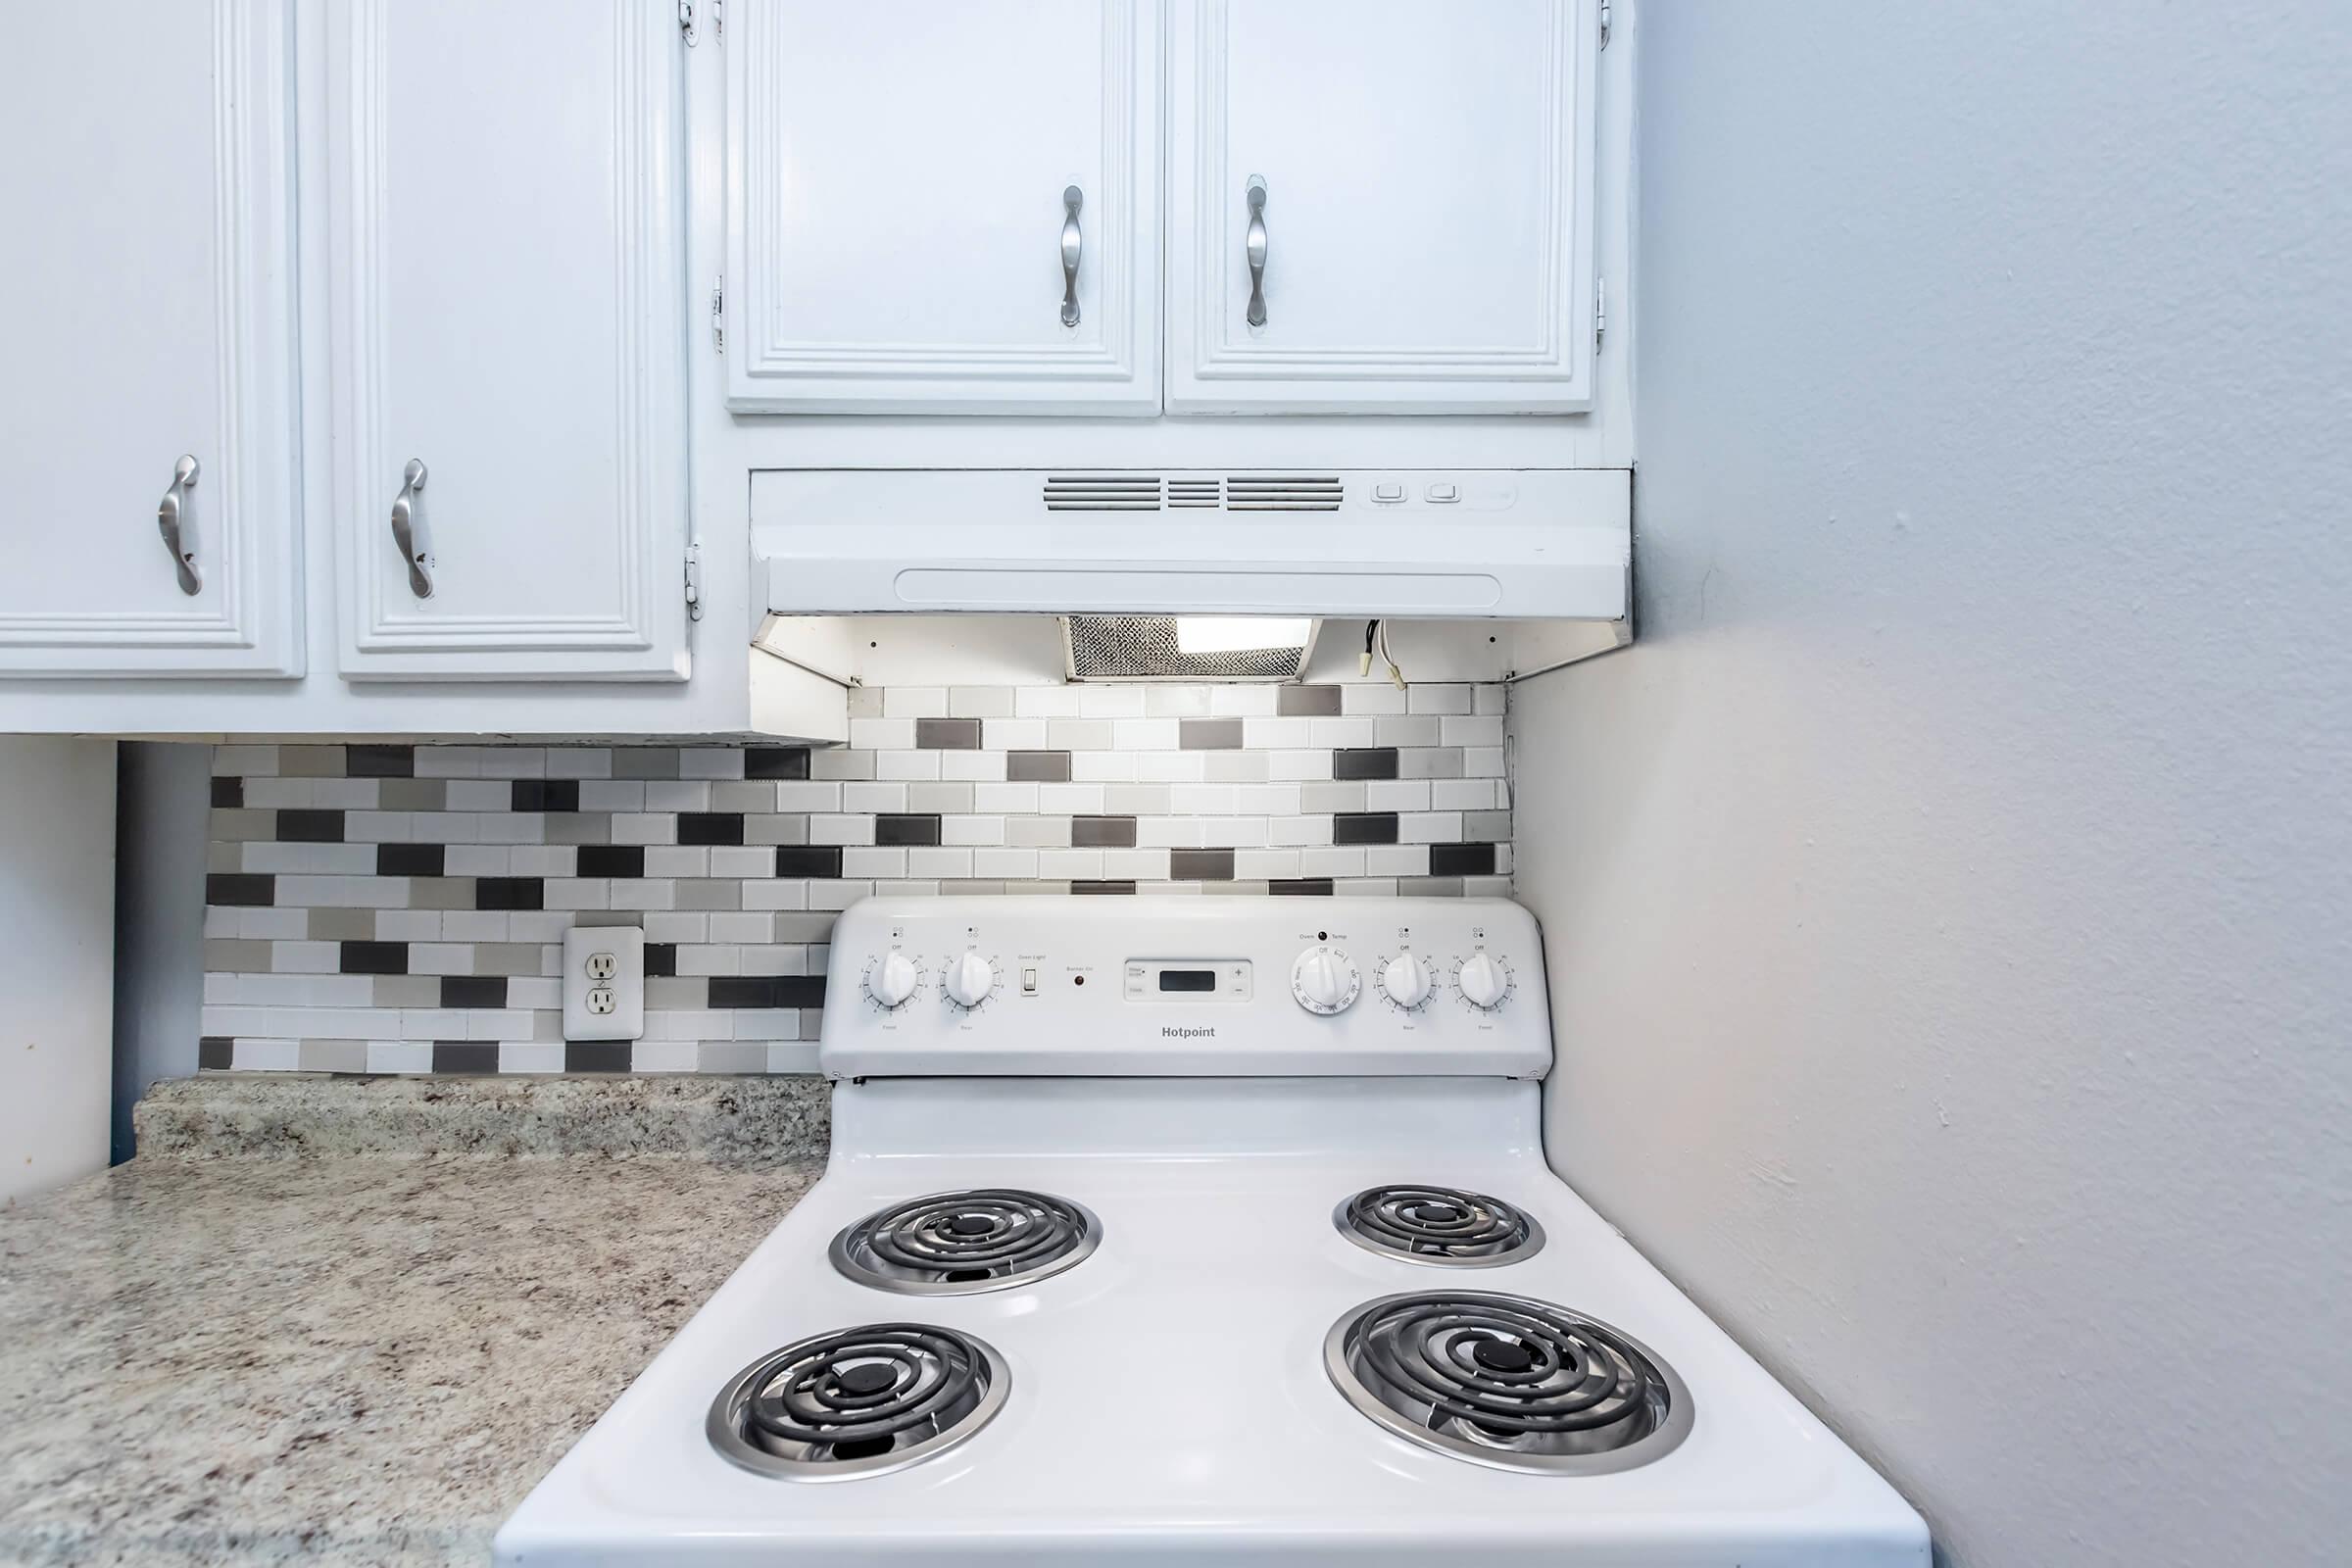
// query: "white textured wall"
[[56, 959], [1949, 897]]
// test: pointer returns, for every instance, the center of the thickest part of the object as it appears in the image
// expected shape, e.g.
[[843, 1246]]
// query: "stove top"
[[1187, 1317], [956, 1244]]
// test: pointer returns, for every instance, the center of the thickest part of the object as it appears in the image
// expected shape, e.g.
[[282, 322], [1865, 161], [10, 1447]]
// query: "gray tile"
[[1102, 832], [331, 1055], [408, 991], [677, 991], [1407, 729], [341, 925], [955, 888], [789, 827], [1430, 887], [235, 956], [1042, 767], [1200, 866], [1037, 832], [1317, 797], [412, 794], [803, 925], [310, 762], [1236, 768], [841, 763], [947, 734], [710, 893], [865, 701], [1364, 762], [644, 761], [730, 1056], [1430, 762], [223, 857], [546, 1026], [243, 825], [1209, 734], [925, 794], [744, 795], [812, 1020], [579, 827], [507, 958], [1301, 702], [1485, 827], [440, 892]]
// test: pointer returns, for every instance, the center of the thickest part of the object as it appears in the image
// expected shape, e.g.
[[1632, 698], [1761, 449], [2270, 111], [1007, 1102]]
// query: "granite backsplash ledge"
[[377, 909]]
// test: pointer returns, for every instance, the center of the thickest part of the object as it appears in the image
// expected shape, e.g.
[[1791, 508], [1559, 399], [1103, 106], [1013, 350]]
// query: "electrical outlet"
[[603, 982]]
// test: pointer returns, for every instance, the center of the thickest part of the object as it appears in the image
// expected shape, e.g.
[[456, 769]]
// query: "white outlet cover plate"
[[583, 947]]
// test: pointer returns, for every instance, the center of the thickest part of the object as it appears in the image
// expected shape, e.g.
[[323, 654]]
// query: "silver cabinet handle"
[[407, 530], [1255, 247], [176, 521], [1072, 199]]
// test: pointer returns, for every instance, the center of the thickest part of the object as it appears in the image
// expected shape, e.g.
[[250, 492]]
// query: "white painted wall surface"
[[57, 960], [1949, 897]]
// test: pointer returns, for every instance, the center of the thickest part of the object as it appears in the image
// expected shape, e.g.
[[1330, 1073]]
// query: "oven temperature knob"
[[1405, 980], [1483, 982], [891, 981], [970, 979], [1325, 982]]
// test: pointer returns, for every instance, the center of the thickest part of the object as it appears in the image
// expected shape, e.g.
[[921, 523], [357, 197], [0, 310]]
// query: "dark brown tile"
[[1102, 887], [215, 1052], [775, 762], [947, 734], [1313, 887], [810, 860], [381, 761], [410, 859], [309, 827], [902, 828], [1461, 860], [374, 957], [228, 793], [473, 991], [611, 859], [661, 958], [510, 893], [1367, 761], [1365, 828], [245, 888], [458, 1056], [1209, 734], [593, 1056], [709, 827], [1200, 866], [1102, 832], [547, 795], [768, 991], [1037, 767], [1306, 702]]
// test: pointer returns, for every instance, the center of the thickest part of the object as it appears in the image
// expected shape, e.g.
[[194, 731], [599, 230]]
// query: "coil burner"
[[859, 1403], [959, 1244], [1509, 1381], [1442, 1225]]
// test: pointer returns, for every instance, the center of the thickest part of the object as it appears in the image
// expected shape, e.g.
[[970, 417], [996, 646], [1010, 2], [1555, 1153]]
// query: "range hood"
[[1521, 544]]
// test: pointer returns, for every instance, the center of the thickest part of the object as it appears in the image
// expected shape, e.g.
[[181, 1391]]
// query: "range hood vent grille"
[[1148, 648], [1149, 492]]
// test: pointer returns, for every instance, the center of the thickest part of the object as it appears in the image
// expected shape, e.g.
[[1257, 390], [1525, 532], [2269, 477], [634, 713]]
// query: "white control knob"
[[1483, 982], [1324, 982], [970, 979], [891, 981], [1406, 981]]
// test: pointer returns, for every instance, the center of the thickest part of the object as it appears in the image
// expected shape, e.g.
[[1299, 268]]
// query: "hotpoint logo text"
[[1169, 1031]]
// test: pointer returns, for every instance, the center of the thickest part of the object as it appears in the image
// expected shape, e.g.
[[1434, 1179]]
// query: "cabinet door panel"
[[1428, 213], [896, 175], [146, 304], [509, 311]]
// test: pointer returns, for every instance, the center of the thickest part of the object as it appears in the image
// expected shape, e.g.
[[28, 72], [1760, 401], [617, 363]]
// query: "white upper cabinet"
[[509, 316], [941, 208], [1422, 238], [147, 313]]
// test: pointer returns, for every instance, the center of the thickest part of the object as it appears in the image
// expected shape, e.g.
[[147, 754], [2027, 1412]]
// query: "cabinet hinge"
[[718, 314], [686, 21], [1601, 310], [694, 581], [1604, 24]]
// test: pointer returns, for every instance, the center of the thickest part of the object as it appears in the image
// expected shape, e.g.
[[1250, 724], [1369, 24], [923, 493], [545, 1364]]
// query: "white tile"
[[244, 761], [1267, 800], [1110, 701], [707, 960], [760, 1024], [1012, 862], [465, 925], [1299, 766], [1103, 767], [1017, 734], [1168, 832], [524, 1056], [535, 992], [645, 827], [1482, 762], [1236, 832], [1144, 734], [1327, 860], [1039, 702], [1004, 798], [322, 860], [867, 861], [1438, 698], [272, 926], [400, 1055], [792, 1057], [1076, 865], [477, 860], [478, 795], [613, 795], [222, 922], [511, 762], [1059, 799], [972, 766], [1464, 793], [1176, 702], [1342, 731], [739, 860], [1429, 827], [1251, 865], [882, 734], [1078, 734], [677, 860], [915, 702], [1371, 698], [907, 764], [640, 894], [971, 830], [1421, 729], [539, 925], [980, 702], [486, 1024], [809, 795], [1170, 767], [447, 762], [1242, 700], [417, 925], [1489, 697], [1220, 799], [514, 828], [837, 896], [1479, 730], [1269, 733], [686, 1024], [1137, 865], [579, 893], [681, 926], [841, 829], [938, 860], [1396, 859], [265, 1056], [756, 927], [873, 795], [579, 761], [775, 893], [377, 827], [1396, 794], [1283, 830], [440, 958], [343, 891]]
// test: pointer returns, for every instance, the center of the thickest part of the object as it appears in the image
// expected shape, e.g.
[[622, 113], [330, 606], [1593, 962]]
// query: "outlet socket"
[[603, 982]]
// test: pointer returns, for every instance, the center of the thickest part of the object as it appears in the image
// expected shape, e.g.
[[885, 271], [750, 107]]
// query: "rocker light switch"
[[603, 982]]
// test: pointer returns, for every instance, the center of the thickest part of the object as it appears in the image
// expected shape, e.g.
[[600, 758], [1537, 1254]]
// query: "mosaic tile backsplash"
[[396, 909]]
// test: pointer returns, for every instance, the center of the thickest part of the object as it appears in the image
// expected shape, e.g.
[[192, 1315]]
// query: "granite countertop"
[[357, 1320]]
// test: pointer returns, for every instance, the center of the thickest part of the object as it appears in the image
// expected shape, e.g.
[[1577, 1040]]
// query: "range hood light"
[[1200, 635]]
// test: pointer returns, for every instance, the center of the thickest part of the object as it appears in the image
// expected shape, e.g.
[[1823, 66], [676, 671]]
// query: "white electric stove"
[[1196, 1231]]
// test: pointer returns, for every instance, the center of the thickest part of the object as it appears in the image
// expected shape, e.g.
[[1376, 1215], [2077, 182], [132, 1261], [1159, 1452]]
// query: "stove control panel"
[[1052, 985]]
